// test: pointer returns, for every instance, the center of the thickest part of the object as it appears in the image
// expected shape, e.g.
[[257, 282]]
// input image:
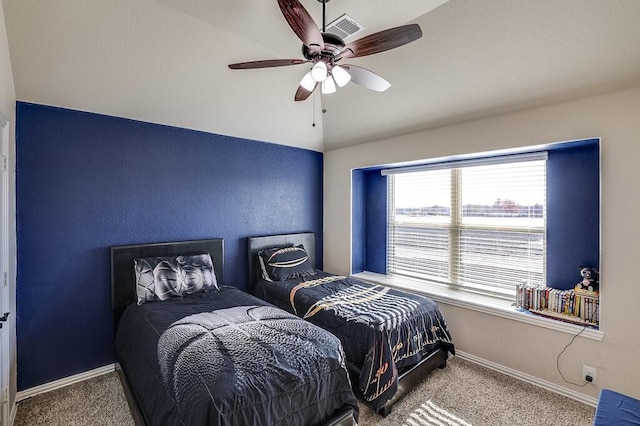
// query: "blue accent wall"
[[369, 217], [358, 221], [85, 182], [573, 213], [376, 218]]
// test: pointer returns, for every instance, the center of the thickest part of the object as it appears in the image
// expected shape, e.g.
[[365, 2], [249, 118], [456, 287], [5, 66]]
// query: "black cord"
[[558, 360], [565, 348]]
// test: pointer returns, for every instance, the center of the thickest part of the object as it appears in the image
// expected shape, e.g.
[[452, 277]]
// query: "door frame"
[[5, 409]]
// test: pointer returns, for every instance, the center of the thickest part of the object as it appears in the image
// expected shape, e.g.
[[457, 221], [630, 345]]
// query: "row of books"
[[574, 304]]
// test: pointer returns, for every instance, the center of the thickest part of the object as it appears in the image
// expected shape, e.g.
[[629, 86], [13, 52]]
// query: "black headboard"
[[123, 282], [255, 244]]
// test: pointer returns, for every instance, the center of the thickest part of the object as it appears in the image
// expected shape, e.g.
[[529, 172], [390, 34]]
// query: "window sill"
[[478, 302]]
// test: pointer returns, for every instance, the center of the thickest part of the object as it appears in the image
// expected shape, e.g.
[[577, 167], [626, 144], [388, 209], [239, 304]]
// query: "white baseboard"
[[57, 384], [529, 379]]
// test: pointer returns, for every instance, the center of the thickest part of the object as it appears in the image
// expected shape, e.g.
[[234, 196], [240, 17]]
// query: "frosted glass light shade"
[[340, 75], [328, 86], [319, 71], [308, 82]]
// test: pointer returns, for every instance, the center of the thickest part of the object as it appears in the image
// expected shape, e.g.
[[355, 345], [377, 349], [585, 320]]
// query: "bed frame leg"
[[385, 410]]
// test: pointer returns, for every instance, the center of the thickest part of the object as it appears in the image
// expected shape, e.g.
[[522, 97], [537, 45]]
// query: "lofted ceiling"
[[165, 61]]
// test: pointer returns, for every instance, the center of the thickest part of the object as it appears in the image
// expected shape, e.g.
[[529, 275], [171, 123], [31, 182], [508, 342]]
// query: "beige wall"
[[7, 92], [526, 348], [7, 108]]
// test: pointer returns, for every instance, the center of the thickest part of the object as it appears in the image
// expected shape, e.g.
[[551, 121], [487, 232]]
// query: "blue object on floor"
[[616, 409]]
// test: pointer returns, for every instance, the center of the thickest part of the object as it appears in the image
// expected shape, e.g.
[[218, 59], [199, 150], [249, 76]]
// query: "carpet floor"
[[461, 394]]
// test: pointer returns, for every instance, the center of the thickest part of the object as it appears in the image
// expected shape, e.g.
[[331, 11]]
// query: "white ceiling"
[[165, 61]]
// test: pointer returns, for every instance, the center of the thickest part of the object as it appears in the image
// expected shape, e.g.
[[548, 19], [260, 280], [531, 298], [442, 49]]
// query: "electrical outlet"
[[589, 372]]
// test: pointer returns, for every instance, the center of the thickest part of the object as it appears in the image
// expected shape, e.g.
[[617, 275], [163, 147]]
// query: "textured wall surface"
[[86, 182]]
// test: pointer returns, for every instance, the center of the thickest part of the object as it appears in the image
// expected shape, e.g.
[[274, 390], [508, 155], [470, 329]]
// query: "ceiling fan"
[[324, 50]]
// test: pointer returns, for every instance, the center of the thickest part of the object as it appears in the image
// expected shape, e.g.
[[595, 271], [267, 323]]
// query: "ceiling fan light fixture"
[[340, 75], [328, 86], [308, 82], [323, 49], [319, 71]]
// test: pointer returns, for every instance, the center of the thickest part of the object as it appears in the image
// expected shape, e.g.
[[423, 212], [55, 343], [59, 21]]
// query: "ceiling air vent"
[[345, 26]]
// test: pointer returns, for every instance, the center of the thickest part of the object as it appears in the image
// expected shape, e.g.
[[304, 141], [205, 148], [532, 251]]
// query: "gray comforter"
[[227, 358]]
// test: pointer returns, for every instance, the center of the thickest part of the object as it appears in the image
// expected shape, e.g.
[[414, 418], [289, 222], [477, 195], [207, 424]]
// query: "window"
[[477, 224]]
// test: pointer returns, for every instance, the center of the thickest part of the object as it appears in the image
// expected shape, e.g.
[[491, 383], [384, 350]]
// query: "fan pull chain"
[[314, 110], [322, 105]]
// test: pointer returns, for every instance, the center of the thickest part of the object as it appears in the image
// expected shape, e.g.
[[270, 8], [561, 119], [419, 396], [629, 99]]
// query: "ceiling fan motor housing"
[[333, 45]]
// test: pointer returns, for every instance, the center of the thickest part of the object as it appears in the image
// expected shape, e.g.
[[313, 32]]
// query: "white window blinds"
[[479, 224]]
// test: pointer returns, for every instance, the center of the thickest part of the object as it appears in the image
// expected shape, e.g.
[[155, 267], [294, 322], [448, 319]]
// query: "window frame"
[[574, 171], [455, 226]]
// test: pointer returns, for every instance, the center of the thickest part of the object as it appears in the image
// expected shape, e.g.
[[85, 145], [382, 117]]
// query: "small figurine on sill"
[[590, 279]]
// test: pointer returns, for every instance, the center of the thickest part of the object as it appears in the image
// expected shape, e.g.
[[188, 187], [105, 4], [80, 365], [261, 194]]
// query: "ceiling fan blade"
[[367, 78], [302, 93], [266, 64], [302, 24], [381, 41]]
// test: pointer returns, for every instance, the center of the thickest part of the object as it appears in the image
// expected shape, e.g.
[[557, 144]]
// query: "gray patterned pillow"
[[159, 278]]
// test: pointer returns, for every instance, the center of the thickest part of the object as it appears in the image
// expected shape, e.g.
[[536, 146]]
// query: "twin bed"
[[217, 355], [392, 339], [192, 351]]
